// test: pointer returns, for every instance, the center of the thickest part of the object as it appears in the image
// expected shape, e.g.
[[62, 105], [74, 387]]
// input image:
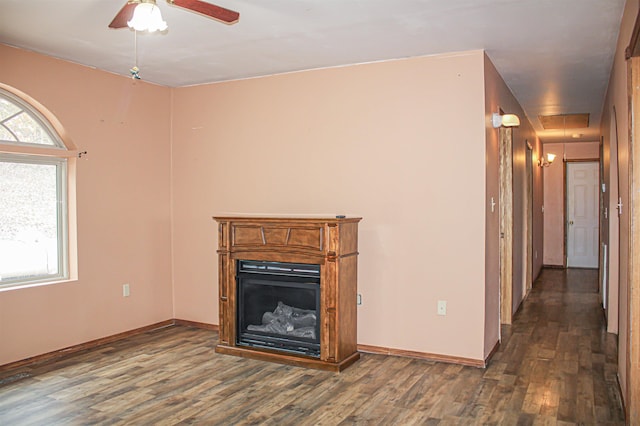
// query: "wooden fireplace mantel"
[[331, 243]]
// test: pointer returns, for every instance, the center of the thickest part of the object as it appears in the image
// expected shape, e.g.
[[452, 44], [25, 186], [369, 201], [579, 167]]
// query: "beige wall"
[[498, 96], [400, 143], [554, 193], [616, 100], [123, 205]]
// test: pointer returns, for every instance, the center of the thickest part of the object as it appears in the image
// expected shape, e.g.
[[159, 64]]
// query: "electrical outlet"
[[442, 307], [359, 299], [125, 290]]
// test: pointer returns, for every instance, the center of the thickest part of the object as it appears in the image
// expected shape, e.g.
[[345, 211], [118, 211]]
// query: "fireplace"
[[287, 290], [278, 306]]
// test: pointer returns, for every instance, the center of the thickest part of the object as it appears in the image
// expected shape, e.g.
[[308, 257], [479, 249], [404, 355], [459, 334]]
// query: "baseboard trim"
[[379, 350], [622, 396], [492, 353], [553, 267], [103, 340], [49, 356], [37, 359], [202, 325]]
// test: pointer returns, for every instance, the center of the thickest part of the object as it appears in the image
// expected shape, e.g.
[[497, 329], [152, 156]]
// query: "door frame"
[[633, 285], [632, 356], [603, 254], [506, 224], [613, 230], [529, 218]]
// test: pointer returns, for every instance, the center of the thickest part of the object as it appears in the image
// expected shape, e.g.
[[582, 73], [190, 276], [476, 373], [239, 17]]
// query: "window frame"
[[38, 118], [62, 157]]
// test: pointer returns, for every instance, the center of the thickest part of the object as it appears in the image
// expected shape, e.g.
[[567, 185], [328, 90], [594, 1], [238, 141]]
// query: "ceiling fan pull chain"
[[135, 70]]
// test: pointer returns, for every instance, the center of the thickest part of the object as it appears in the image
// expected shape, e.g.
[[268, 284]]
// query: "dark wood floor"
[[556, 365]]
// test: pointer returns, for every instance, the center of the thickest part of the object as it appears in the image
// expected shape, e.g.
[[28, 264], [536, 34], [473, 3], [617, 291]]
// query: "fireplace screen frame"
[[288, 283]]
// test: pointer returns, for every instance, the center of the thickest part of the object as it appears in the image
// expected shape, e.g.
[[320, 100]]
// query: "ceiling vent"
[[564, 121]]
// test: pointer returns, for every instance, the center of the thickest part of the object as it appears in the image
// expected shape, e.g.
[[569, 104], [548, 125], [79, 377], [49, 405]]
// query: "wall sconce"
[[546, 162], [506, 120]]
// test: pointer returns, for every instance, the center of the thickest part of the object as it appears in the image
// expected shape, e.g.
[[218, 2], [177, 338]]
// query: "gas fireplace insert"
[[278, 306]]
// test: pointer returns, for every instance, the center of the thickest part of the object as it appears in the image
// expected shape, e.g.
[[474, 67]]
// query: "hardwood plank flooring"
[[556, 366]]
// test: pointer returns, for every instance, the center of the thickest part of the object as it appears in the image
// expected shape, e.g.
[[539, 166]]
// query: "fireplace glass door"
[[279, 306]]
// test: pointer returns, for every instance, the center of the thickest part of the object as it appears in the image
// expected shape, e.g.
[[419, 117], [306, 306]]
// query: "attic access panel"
[[564, 121]]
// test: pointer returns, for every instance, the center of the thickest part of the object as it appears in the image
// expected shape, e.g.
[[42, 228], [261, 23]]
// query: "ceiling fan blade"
[[211, 10], [125, 14]]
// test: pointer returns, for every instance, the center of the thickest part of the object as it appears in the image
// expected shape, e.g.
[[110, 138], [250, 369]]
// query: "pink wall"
[[123, 206], [384, 141], [554, 194], [498, 96], [617, 100]]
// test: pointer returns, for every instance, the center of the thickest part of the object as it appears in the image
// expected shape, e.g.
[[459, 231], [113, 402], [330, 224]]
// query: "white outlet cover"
[[442, 307]]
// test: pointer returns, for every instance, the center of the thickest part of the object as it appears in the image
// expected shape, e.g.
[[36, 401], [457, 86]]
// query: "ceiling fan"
[[218, 13]]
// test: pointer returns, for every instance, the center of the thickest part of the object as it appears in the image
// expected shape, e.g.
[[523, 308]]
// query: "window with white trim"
[[33, 196]]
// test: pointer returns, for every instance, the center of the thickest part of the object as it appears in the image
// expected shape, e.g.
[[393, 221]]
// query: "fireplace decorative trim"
[[331, 243]]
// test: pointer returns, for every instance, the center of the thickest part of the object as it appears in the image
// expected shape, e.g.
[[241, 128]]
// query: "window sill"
[[21, 286]]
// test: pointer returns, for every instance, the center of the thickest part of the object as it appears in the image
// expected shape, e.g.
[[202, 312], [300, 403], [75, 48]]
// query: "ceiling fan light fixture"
[[147, 17]]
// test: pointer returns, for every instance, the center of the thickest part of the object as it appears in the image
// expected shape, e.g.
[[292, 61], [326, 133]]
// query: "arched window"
[[34, 219], [20, 124]]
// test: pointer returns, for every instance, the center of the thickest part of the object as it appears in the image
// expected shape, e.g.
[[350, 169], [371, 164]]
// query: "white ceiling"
[[555, 55]]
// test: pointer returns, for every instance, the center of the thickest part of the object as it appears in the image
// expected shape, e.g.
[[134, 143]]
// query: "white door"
[[582, 215]]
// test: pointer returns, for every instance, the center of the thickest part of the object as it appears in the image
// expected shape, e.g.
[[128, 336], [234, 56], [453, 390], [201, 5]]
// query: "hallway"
[[563, 360], [556, 365]]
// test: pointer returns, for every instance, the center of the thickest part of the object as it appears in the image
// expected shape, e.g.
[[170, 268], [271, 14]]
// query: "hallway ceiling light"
[[506, 120]]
